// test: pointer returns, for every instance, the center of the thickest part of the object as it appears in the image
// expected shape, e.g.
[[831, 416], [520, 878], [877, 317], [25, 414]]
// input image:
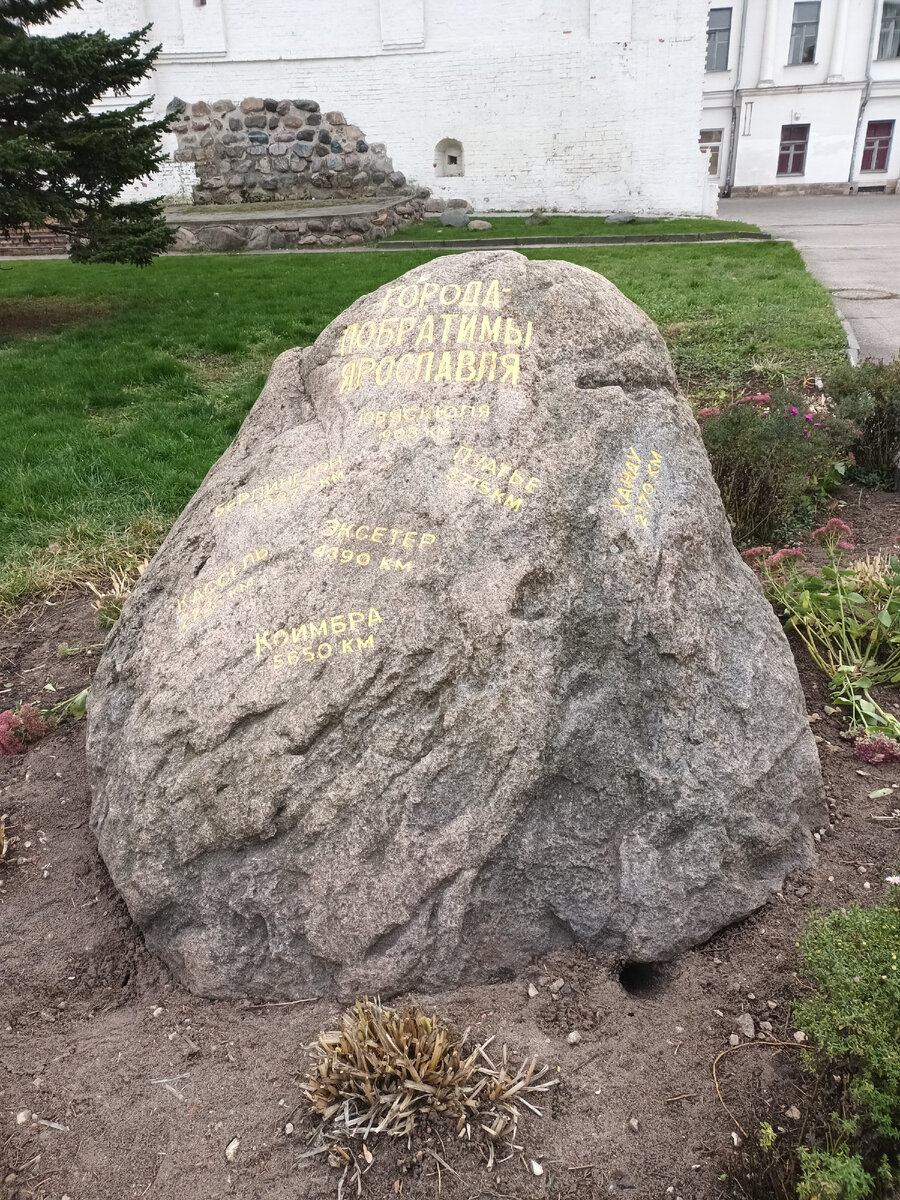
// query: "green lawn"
[[511, 227], [110, 423]]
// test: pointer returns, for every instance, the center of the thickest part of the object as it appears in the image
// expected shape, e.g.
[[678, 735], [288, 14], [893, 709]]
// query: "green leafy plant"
[[847, 614], [774, 461], [852, 959], [869, 396], [825, 1176]]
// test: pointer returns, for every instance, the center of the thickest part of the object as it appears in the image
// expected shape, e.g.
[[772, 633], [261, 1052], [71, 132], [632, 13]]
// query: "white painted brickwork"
[[580, 105]]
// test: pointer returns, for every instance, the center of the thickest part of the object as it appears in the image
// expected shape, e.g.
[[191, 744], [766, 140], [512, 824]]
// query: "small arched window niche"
[[448, 158]]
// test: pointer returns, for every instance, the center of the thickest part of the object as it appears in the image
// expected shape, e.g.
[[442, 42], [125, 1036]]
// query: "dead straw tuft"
[[385, 1071]]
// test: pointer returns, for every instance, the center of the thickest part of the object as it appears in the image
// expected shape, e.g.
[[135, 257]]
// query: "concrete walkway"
[[851, 244]]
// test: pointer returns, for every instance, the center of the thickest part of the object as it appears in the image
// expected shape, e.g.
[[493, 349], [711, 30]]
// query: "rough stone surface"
[[573, 717], [458, 218], [620, 218], [479, 225]]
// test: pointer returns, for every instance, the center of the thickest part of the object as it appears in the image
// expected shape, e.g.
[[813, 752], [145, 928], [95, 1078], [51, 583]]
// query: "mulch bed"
[[116, 1082]]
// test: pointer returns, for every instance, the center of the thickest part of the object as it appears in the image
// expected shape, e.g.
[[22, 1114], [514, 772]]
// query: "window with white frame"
[[889, 39], [718, 38], [792, 150], [804, 33], [877, 146], [711, 147]]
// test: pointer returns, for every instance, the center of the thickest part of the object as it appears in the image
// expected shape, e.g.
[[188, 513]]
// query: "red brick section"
[[40, 241]]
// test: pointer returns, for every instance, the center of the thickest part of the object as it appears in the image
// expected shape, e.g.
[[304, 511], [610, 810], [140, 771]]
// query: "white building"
[[802, 96], [580, 105]]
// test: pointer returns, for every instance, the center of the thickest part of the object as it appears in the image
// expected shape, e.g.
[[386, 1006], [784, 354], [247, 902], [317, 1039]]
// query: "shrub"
[[852, 959], [827, 1176], [869, 396], [774, 462]]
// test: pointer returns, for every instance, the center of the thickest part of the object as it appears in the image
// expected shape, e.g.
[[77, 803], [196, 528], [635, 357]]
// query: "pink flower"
[[763, 397], [833, 529], [709, 412], [808, 417], [17, 729], [758, 552], [845, 546], [877, 749], [796, 412], [781, 556]]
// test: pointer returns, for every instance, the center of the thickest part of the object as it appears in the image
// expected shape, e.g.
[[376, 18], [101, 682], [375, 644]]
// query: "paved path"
[[852, 245]]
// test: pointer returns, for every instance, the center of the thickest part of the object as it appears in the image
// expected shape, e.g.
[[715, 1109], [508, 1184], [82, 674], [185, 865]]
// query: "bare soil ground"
[[116, 1083]]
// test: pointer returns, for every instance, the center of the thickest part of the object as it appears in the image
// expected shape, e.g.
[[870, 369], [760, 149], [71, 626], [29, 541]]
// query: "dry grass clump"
[[111, 600], [388, 1071]]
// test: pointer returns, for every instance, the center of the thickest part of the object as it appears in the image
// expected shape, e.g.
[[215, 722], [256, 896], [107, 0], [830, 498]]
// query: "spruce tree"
[[61, 165]]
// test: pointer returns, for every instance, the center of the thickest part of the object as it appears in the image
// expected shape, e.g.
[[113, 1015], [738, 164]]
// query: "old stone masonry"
[[264, 150]]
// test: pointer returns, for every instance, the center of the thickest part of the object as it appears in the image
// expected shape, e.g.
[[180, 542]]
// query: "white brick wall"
[[589, 105]]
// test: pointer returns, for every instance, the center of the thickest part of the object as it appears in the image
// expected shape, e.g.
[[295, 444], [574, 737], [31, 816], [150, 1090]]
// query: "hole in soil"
[[642, 979]]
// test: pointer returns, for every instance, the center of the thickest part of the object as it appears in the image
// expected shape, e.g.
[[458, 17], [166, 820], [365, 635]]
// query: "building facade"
[[802, 96], [579, 105]]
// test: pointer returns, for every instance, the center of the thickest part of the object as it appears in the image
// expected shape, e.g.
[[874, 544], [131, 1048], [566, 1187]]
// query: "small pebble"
[[745, 1025], [773, 1004], [536, 1167], [734, 1039], [766, 1026], [574, 1038], [793, 1112], [557, 986], [289, 1129], [23, 1117], [799, 1036], [232, 1148], [867, 886], [633, 1124], [532, 991]]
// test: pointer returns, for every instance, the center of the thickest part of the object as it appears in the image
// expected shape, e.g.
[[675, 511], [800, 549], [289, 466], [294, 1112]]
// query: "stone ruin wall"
[[269, 150]]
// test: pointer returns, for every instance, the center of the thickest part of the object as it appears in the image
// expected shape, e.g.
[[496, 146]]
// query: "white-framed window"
[[792, 150], [711, 147], [804, 33], [889, 39], [718, 39], [877, 146]]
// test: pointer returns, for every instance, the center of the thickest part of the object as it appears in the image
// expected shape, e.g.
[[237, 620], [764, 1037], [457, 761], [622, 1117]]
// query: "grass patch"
[[556, 226], [111, 424]]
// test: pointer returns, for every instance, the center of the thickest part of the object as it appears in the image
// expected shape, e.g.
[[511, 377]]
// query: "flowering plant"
[[847, 614], [24, 724], [775, 457]]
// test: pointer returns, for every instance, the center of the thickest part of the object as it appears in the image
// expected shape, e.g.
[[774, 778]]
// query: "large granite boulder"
[[450, 662]]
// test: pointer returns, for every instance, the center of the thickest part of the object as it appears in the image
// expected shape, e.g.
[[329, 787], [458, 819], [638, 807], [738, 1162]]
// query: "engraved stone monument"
[[450, 662]]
